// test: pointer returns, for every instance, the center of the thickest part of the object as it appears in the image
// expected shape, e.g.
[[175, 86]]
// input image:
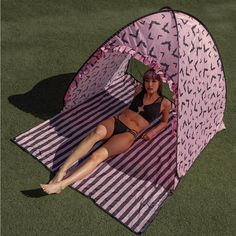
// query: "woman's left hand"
[[147, 136]]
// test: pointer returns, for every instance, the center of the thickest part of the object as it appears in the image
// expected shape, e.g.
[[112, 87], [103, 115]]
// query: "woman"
[[120, 131]]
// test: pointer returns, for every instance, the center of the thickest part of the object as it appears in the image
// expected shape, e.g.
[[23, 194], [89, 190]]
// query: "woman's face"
[[151, 85]]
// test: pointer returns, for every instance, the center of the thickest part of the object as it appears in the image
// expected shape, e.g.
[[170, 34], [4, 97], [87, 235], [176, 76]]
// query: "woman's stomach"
[[133, 120]]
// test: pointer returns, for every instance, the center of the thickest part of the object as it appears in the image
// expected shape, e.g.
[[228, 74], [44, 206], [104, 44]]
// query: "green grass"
[[43, 44]]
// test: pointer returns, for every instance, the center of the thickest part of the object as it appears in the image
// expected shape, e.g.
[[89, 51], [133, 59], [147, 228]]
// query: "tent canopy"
[[182, 48]]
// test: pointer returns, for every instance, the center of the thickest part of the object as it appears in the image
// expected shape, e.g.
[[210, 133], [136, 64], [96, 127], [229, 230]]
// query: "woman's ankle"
[[63, 185], [62, 169]]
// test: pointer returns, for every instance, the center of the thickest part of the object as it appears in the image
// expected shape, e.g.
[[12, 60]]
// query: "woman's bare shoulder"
[[166, 102]]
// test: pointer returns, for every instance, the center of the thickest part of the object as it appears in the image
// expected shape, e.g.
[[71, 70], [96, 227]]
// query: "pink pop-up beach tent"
[[133, 186]]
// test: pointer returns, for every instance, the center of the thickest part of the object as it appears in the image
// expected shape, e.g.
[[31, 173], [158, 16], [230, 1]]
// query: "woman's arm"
[[162, 125]]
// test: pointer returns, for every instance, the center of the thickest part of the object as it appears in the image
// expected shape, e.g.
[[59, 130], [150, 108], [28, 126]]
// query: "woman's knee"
[[99, 155], [100, 131]]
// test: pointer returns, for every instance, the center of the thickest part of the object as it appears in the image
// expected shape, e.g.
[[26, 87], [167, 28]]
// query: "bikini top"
[[149, 112]]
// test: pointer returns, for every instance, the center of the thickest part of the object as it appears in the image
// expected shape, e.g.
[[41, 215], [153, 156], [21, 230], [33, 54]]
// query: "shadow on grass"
[[34, 193], [38, 192], [45, 99]]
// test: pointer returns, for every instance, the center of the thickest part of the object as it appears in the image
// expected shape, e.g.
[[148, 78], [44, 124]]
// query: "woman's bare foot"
[[58, 177], [52, 188]]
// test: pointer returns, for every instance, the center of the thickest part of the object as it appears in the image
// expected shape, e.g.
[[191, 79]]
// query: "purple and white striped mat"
[[132, 186]]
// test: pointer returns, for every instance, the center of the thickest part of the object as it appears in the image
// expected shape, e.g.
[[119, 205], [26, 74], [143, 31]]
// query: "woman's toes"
[[52, 188], [42, 186]]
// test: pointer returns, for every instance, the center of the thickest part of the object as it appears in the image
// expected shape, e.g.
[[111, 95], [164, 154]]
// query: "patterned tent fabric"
[[133, 186], [182, 48]]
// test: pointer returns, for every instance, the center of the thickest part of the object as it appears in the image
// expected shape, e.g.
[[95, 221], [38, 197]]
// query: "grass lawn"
[[43, 44]]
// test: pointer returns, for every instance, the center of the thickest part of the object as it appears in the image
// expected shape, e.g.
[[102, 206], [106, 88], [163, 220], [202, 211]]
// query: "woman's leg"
[[110, 148], [85, 145], [103, 131]]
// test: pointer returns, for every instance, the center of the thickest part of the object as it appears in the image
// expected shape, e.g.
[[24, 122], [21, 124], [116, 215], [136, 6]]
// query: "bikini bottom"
[[120, 127]]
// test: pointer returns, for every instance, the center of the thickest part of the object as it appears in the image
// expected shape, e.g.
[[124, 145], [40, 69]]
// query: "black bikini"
[[149, 112], [120, 127]]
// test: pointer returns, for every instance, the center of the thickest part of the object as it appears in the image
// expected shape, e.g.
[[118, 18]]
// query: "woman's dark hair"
[[151, 74]]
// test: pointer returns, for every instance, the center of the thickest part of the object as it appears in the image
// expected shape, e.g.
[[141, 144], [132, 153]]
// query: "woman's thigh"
[[109, 125], [119, 143]]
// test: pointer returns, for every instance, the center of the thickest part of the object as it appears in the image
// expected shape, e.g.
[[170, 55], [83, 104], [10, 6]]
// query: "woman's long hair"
[[151, 74]]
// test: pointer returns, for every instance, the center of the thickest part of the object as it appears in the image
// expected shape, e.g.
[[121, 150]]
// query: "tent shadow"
[[42, 102], [76, 136], [45, 99]]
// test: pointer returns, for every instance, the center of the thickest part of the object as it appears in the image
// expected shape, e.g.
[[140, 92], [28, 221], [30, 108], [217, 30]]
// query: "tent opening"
[[137, 69]]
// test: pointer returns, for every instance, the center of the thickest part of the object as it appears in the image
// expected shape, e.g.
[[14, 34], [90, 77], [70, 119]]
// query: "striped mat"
[[132, 186]]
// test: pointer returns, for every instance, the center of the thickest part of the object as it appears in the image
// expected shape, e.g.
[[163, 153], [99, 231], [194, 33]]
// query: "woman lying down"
[[147, 105]]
